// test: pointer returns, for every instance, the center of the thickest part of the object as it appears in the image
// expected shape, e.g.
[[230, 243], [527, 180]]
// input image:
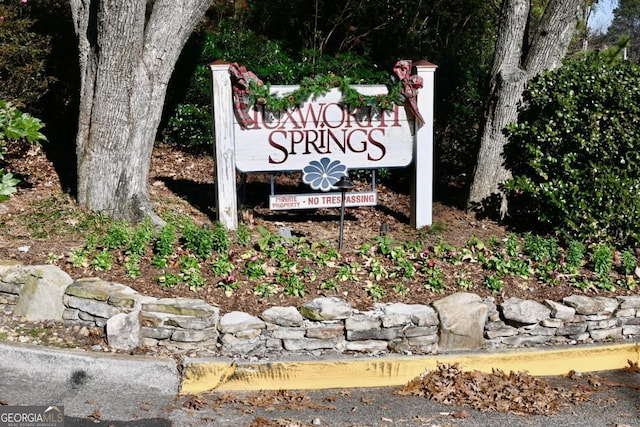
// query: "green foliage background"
[[576, 151]]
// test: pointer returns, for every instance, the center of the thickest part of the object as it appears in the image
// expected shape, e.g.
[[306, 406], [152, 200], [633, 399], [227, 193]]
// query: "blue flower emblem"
[[323, 174]]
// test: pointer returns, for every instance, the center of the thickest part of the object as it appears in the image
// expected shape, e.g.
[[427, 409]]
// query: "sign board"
[[321, 130], [322, 127], [322, 200]]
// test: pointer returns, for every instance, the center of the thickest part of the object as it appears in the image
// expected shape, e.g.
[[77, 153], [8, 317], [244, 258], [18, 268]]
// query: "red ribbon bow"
[[241, 79], [410, 85]]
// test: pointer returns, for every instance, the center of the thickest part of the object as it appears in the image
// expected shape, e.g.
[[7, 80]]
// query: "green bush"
[[575, 151], [15, 126], [23, 55]]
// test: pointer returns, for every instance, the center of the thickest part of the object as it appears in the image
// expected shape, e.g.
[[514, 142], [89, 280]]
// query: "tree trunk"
[[514, 64], [128, 50]]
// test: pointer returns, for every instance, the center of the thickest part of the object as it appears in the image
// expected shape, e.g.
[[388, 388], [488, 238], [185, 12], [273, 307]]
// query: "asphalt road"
[[611, 406], [132, 391]]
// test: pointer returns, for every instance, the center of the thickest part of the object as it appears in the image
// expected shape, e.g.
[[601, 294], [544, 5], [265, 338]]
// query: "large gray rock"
[[124, 331], [584, 304], [326, 308], [462, 319], [237, 321], [400, 314], [42, 292], [283, 316], [526, 312], [560, 311]]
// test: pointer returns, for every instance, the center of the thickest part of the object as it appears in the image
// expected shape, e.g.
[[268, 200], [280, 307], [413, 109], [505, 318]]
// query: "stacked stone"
[[132, 319], [12, 277], [179, 323], [578, 318], [331, 324], [91, 301]]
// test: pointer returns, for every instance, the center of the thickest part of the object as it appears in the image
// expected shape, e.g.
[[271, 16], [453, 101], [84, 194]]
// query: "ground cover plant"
[[256, 267]]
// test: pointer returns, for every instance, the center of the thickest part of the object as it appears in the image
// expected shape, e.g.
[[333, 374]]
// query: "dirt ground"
[[183, 182]]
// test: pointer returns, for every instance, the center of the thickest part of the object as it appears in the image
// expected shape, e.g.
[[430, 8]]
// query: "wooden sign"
[[322, 130], [323, 127]]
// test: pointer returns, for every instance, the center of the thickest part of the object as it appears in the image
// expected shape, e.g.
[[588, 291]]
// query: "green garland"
[[319, 86]]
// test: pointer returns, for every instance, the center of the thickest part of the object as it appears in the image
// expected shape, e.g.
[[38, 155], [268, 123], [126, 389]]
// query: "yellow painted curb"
[[393, 371]]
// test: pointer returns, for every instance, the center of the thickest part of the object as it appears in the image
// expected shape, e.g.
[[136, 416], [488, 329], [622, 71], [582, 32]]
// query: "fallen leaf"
[[633, 366], [96, 414], [460, 414], [194, 402]]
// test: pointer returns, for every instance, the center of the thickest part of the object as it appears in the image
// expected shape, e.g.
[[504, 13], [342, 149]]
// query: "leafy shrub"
[[578, 148], [23, 55], [15, 126]]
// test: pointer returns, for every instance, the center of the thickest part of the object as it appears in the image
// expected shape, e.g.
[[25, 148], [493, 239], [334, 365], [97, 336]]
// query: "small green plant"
[[140, 239], [512, 245], [168, 280], [191, 273], [520, 267], [404, 269], [198, 240], [117, 237], [164, 246], [628, 282], [37, 332], [493, 282], [292, 284], [79, 258], [401, 289], [574, 257], [265, 290], [348, 272], [602, 258], [267, 238], [222, 266], [255, 267], [384, 244], [132, 265], [366, 249], [329, 285], [15, 126], [376, 291], [103, 261], [377, 271], [465, 283], [496, 263], [220, 238], [442, 249], [229, 283], [243, 237], [628, 258], [434, 280]]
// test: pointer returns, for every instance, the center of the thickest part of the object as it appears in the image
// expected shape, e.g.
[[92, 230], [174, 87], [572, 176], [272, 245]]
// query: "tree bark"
[[127, 51], [515, 63]]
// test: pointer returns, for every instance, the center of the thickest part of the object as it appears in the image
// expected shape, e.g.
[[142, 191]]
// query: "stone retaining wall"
[[456, 322]]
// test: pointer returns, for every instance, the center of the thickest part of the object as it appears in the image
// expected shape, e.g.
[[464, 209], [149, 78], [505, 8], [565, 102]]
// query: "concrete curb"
[[200, 375], [65, 374], [83, 381]]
